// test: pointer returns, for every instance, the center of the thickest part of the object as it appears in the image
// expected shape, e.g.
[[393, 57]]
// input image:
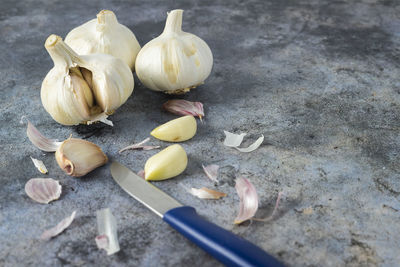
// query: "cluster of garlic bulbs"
[[92, 74]]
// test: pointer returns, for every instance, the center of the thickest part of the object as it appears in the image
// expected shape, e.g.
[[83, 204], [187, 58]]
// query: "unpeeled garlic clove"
[[166, 164], [79, 88], [105, 35], [177, 130], [175, 61], [78, 157]]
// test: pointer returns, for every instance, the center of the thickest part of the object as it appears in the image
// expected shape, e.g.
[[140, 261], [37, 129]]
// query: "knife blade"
[[223, 245]]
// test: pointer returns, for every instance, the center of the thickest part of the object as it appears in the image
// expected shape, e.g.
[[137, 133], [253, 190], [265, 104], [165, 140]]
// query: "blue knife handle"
[[223, 245]]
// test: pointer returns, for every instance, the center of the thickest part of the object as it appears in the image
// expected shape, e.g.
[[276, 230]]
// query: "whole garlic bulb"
[[80, 88], [106, 36], [175, 61]]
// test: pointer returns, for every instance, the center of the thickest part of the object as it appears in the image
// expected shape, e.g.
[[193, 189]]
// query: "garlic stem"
[[174, 22], [61, 54], [106, 17]]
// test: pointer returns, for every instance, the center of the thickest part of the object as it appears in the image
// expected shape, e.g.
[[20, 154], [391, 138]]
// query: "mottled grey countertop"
[[320, 79]]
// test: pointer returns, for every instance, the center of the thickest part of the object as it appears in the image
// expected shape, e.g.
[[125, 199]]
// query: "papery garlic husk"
[[79, 88], [175, 61], [43, 190], [166, 164], [78, 157], [105, 35]]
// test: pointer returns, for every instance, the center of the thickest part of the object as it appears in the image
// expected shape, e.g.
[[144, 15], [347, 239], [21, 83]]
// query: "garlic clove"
[[177, 130], [78, 157], [175, 61], [81, 87], [166, 164], [105, 35]]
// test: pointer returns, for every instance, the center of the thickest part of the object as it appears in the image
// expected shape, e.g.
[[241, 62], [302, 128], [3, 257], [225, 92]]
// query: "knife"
[[223, 245]]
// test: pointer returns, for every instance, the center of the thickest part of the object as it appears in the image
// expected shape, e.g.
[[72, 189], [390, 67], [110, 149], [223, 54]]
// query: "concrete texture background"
[[320, 79]]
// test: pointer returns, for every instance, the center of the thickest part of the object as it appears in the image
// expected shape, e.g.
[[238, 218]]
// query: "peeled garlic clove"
[[78, 157], [177, 130], [43, 190], [175, 61], [168, 163], [78, 89]]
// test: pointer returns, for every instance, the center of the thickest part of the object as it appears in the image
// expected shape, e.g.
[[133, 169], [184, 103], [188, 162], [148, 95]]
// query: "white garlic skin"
[[111, 84], [175, 61], [105, 35]]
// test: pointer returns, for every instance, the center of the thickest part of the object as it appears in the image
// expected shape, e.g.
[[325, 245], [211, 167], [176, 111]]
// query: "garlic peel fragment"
[[107, 229], [43, 190], [78, 157], [166, 164], [206, 193], [139, 145], [248, 200], [105, 35], [253, 146], [175, 61], [177, 130], [40, 141], [234, 140], [184, 107], [39, 165], [211, 171], [59, 228]]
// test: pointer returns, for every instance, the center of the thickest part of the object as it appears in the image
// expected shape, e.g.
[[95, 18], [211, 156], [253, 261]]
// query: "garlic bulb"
[[106, 36], [175, 61], [78, 157], [81, 87]]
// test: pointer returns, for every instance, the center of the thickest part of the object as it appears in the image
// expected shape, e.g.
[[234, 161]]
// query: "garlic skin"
[[105, 35], [79, 88], [166, 164], [78, 157], [177, 130], [175, 61]]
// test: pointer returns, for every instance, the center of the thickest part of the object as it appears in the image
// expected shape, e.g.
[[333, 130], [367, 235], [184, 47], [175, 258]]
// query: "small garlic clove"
[[177, 130], [43, 190], [78, 157], [166, 164]]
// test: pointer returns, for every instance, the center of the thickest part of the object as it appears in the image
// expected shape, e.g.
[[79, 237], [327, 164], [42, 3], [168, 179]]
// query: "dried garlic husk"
[[212, 172], [248, 200], [140, 145], [184, 107], [105, 35], [59, 228], [166, 164], [43, 190], [175, 61], [78, 157], [206, 193], [234, 140], [177, 130], [39, 140], [81, 87], [39, 165], [107, 228]]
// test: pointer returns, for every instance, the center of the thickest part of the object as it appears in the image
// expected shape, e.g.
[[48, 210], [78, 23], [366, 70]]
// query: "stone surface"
[[320, 79]]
